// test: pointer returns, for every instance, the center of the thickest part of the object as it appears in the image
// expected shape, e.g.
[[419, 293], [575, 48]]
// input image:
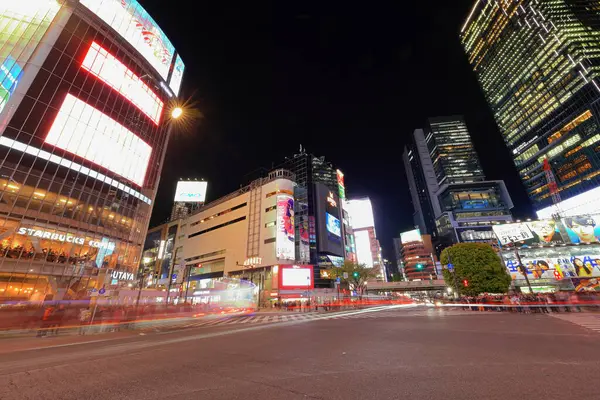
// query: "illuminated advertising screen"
[[585, 203], [177, 75], [137, 27], [296, 277], [363, 248], [86, 132], [333, 225], [191, 191], [411, 236], [586, 285], [361, 213], [341, 186], [474, 204], [284, 241], [583, 228], [578, 229], [564, 263], [304, 247], [22, 26], [114, 73]]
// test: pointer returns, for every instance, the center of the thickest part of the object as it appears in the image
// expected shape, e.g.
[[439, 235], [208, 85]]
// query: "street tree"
[[354, 274], [477, 268]]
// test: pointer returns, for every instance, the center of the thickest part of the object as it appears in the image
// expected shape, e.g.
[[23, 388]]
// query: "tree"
[[357, 275], [476, 264]]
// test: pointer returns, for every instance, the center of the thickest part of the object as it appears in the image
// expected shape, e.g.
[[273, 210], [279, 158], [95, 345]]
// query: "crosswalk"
[[584, 319], [314, 316]]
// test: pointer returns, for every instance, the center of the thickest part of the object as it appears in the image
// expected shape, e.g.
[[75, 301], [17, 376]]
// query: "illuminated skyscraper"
[[538, 64], [84, 93], [452, 200], [452, 153]]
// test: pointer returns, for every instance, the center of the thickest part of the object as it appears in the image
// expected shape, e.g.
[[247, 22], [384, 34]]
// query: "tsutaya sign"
[[122, 275], [61, 237]]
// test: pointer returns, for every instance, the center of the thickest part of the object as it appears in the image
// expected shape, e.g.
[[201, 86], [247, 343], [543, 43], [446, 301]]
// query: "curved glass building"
[[85, 88]]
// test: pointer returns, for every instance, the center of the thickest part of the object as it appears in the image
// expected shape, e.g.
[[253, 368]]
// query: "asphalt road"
[[390, 354]]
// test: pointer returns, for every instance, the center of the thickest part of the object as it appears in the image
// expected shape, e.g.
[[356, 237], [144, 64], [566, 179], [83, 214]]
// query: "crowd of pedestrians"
[[531, 303]]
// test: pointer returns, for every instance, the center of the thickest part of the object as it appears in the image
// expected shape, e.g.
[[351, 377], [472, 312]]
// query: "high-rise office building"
[[451, 151], [84, 93], [537, 64], [452, 200]]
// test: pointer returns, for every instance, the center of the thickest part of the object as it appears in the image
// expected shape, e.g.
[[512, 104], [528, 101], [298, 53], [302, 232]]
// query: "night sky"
[[348, 81]]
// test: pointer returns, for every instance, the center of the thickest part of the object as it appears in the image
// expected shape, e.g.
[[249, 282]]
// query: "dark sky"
[[347, 80]]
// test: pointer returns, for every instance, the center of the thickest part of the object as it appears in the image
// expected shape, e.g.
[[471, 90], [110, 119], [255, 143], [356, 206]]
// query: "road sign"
[[101, 291], [450, 267], [345, 274]]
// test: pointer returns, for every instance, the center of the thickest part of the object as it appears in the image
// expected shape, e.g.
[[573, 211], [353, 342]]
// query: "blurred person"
[[57, 318], [46, 320], [84, 319]]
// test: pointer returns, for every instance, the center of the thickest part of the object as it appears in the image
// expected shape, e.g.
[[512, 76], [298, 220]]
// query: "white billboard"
[[411, 236], [190, 192], [584, 203], [85, 131], [363, 248], [511, 233], [360, 212]]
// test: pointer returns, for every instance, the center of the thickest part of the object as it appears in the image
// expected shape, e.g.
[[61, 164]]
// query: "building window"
[[270, 224], [270, 208], [270, 240], [233, 221], [219, 214]]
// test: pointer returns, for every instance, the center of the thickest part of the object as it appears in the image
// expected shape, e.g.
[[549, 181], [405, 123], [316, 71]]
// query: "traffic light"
[[465, 283], [355, 274], [419, 267]]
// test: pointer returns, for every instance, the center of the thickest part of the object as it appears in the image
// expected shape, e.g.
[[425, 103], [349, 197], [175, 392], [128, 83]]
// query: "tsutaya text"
[[62, 237]]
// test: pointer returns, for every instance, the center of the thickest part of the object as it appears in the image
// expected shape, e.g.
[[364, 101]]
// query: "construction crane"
[[553, 189]]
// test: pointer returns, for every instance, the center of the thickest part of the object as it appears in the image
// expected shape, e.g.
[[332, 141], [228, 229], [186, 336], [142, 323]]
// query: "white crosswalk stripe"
[[584, 319], [343, 315]]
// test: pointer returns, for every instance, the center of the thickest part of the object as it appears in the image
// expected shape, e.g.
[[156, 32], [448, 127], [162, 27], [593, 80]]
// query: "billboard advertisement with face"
[[284, 241], [529, 233], [583, 228], [555, 263]]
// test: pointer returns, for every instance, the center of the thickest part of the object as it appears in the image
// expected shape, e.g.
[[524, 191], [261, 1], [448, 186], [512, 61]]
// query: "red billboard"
[[296, 277]]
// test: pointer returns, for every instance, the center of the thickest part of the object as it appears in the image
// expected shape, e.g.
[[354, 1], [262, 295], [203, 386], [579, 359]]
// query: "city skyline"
[[359, 119]]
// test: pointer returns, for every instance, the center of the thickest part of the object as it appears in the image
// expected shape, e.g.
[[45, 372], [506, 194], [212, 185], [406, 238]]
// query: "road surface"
[[389, 353]]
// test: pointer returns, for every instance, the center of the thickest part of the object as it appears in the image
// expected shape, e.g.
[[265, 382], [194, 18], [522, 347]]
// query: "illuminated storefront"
[[536, 64], [82, 134]]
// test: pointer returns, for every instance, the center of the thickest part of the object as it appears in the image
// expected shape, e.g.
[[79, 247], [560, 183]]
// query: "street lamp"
[[176, 112]]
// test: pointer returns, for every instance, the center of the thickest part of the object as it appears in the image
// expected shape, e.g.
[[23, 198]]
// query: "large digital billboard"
[[284, 240], [22, 26], [341, 185], [191, 191], [578, 229], [361, 213], [296, 277], [114, 73], [177, 75], [581, 204], [86, 132], [555, 262], [333, 225], [137, 27], [411, 236]]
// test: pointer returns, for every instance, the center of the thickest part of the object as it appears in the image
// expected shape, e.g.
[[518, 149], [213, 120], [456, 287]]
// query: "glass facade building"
[[538, 64], [84, 88], [452, 153]]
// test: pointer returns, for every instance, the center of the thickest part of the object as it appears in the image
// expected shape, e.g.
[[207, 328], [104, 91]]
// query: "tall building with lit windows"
[[84, 93], [538, 64], [452, 153], [452, 200]]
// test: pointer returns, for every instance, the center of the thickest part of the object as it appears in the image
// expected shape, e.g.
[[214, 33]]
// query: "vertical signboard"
[[284, 241], [341, 186]]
